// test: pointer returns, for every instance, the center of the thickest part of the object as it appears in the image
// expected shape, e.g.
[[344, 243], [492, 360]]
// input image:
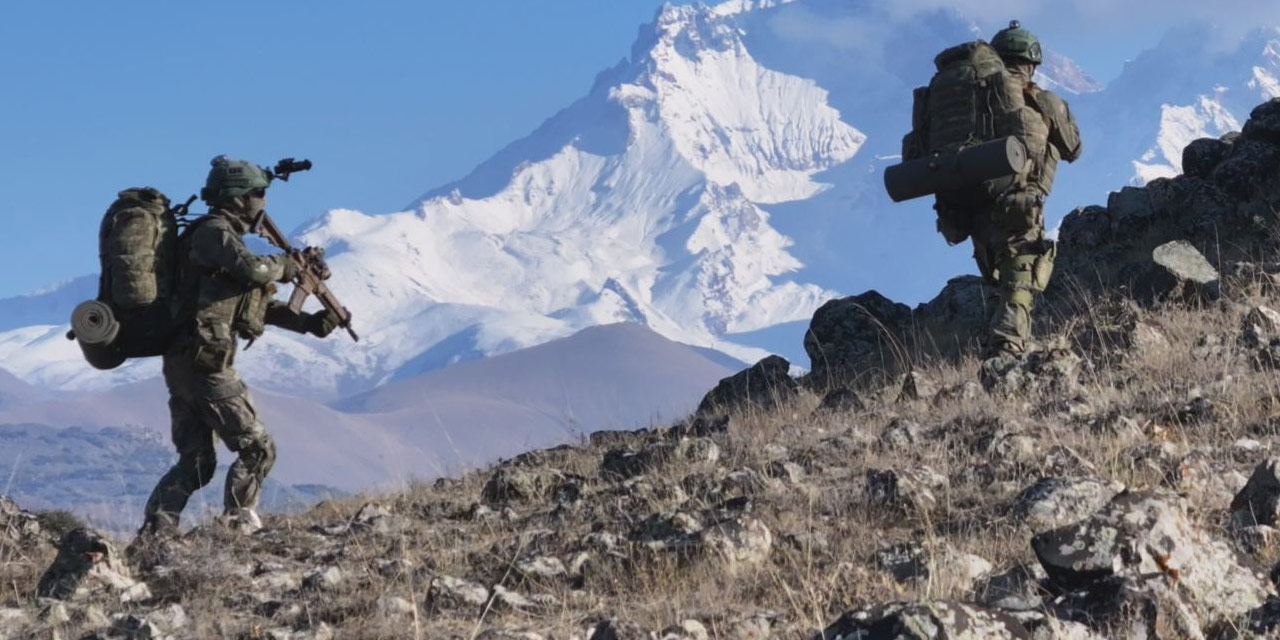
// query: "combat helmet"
[[232, 178], [1018, 44]]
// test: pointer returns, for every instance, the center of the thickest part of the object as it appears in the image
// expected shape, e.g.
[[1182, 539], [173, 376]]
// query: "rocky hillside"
[[1121, 482]]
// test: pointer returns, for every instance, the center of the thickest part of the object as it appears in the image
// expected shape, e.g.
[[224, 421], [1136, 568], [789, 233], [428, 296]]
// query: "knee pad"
[[259, 454]]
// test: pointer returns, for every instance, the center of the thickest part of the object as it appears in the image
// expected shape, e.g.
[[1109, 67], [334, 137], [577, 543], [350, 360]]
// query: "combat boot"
[[242, 520]]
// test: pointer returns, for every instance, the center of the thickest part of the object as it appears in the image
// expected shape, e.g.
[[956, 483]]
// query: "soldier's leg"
[[1020, 262], [238, 426], [197, 462]]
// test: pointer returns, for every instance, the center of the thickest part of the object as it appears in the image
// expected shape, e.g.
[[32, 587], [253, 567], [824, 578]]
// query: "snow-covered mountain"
[[716, 186]]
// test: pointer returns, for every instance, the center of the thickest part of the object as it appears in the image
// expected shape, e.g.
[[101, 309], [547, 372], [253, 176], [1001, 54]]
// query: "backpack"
[[135, 314], [971, 99]]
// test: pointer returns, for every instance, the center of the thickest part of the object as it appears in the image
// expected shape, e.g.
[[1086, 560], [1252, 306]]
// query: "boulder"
[[1178, 269], [1048, 372], [1057, 502], [741, 542], [925, 621], [840, 400], [1143, 548], [1264, 123], [19, 528], [449, 593], [852, 337], [1260, 326], [917, 386], [1258, 502], [520, 484], [765, 386], [88, 567], [621, 464], [913, 489], [1130, 208], [1249, 169], [1017, 589], [1202, 156]]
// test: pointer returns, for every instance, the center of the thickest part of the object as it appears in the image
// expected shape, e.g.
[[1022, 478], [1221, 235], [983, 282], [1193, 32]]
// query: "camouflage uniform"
[[1008, 233], [227, 292]]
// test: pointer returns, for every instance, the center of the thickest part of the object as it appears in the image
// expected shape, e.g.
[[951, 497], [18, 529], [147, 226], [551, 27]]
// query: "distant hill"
[[462, 416]]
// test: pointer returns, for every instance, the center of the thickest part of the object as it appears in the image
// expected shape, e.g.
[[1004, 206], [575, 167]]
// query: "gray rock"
[[1181, 270], [1261, 325], [902, 434], [686, 630], [754, 627], [1130, 207], [1204, 155], [1249, 169], [13, 623], [17, 527], [622, 464], [618, 630], [765, 386], [394, 606], [840, 400], [87, 566], [917, 386], [1017, 589], [449, 593], [741, 543], [323, 578], [905, 562], [1264, 123], [925, 621], [1258, 501], [785, 470], [1207, 483], [1136, 546], [541, 568], [1044, 373], [909, 490], [511, 484], [851, 337]]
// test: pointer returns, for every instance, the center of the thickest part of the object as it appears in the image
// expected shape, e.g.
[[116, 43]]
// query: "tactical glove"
[[290, 269], [322, 324]]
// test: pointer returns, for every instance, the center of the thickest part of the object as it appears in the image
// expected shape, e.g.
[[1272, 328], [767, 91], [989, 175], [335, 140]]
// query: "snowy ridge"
[[720, 182]]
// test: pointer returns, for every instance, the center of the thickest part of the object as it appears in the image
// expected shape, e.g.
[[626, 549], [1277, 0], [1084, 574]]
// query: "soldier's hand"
[[290, 269], [322, 324]]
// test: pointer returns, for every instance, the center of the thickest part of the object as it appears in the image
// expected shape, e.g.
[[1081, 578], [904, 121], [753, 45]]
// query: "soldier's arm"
[[215, 245], [1064, 134], [280, 315], [319, 324]]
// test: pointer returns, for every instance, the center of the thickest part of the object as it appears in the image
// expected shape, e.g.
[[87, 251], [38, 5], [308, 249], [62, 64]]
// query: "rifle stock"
[[310, 279]]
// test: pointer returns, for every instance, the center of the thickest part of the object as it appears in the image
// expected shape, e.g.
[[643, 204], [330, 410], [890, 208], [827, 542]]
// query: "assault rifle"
[[312, 270]]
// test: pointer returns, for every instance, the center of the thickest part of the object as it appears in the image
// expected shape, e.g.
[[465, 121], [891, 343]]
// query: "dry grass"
[[826, 532]]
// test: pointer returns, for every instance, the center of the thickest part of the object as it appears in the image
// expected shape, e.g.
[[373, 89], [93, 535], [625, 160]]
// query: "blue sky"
[[389, 99]]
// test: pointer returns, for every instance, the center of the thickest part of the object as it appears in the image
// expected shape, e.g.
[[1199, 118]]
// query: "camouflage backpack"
[[971, 99], [137, 251]]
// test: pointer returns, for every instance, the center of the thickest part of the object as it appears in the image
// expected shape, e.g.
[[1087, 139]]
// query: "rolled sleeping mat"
[[95, 328], [968, 167], [94, 323]]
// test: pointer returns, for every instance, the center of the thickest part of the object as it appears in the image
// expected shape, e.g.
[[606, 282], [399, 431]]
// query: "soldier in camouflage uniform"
[[226, 292], [1008, 235]]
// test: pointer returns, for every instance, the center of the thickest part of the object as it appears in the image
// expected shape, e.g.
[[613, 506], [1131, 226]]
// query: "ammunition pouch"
[[251, 312], [214, 346], [1042, 268]]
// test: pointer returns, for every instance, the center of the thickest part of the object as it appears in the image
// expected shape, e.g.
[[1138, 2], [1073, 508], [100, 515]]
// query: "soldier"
[[226, 292], [1008, 231]]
